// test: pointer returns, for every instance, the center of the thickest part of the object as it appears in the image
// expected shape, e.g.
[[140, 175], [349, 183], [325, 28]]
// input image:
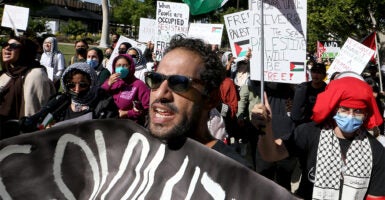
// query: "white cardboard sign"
[[15, 17]]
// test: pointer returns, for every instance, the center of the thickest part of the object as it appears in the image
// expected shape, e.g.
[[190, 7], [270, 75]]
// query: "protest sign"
[[115, 52], [171, 19], [353, 56], [331, 49], [284, 24], [147, 30], [15, 17], [238, 32], [211, 33], [118, 159]]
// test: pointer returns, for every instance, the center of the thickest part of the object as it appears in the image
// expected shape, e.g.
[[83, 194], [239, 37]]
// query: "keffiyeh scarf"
[[332, 170]]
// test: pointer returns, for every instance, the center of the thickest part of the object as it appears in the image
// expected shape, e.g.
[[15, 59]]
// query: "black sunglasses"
[[12, 46], [134, 56], [176, 83], [81, 85]]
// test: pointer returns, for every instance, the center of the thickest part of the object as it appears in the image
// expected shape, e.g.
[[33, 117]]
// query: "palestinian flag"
[[297, 66], [241, 47], [216, 29], [198, 7]]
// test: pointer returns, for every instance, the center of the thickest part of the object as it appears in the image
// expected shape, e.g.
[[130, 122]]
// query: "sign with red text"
[[284, 25], [211, 33], [353, 56], [237, 26], [118, 159], [171, 19]]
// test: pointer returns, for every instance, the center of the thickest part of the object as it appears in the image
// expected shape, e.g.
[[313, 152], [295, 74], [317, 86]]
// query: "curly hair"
[[214, 72]]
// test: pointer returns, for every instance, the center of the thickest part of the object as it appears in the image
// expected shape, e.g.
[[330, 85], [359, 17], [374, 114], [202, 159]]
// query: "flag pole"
[[378, 63], [262, 54]]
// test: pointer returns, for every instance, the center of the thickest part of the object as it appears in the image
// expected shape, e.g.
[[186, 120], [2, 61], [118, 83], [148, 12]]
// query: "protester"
[[107, 55], [53, 60], [339, 158], [140, 62], [306, 94], [180, 106], [149, 56], [24, 84], [114, 39], [94, 59], [123, 47], [130, 94], [79, 81], [81, 47]]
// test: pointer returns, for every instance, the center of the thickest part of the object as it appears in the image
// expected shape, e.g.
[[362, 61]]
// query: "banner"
[[15, 17], [284, 25], [118, 159], [238, 32], [211, 33], [327, 49], [198, 7], [171, 19], [147, 30], [353, 56]]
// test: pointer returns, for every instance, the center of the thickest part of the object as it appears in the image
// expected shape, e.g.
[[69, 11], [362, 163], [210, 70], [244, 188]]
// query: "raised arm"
[[270, 149]]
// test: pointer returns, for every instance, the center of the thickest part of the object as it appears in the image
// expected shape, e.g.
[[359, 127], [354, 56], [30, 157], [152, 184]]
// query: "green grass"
[[68, 51]]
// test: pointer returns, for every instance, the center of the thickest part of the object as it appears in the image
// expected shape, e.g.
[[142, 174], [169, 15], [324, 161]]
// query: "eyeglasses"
[[81, 85], [134, 56], [12, 46], [176, 83]]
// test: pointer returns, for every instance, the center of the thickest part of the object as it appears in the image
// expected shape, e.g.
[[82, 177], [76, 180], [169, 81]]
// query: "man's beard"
[[185, 128]]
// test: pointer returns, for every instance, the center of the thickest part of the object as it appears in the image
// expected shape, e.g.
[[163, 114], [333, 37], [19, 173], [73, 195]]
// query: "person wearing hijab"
[[130, 94], [79, 82], [24, 83], [53, 60], [140, 63], [340, 159], [94, 59]]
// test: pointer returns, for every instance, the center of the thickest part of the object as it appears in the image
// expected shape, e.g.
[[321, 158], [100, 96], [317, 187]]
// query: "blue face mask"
[[134, 59], [93, 63], [349, 123], [122, 71]]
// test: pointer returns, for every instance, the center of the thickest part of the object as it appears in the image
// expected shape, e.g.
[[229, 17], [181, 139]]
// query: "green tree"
[[74, 28], [339, 19], [130, 11]]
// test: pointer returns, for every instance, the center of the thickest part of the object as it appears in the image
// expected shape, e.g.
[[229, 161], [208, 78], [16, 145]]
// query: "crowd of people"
[[328, 131]]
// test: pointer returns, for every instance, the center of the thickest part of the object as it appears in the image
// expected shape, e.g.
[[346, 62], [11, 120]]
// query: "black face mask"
[[81, 51], [80, 94], [108, 56]]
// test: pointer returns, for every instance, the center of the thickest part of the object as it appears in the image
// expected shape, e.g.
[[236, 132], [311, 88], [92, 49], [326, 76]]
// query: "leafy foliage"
[[73, 28]]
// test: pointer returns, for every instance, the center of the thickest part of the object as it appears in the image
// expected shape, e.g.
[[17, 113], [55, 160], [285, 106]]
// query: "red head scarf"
[[348, 92]]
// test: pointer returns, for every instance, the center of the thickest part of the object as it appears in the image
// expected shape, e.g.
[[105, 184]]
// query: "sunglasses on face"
[[176, 83], [12, 46], [134, 56], [81, 85]]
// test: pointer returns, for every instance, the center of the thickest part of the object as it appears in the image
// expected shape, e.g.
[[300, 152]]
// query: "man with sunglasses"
[[184, 89], [339, 158]]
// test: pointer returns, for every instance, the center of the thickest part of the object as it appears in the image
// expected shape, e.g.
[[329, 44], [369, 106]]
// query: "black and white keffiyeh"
[[332, 170]]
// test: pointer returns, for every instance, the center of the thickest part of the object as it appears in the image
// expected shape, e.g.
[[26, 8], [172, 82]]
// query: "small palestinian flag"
[[216, 29], [297, 66], [241, 47]]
